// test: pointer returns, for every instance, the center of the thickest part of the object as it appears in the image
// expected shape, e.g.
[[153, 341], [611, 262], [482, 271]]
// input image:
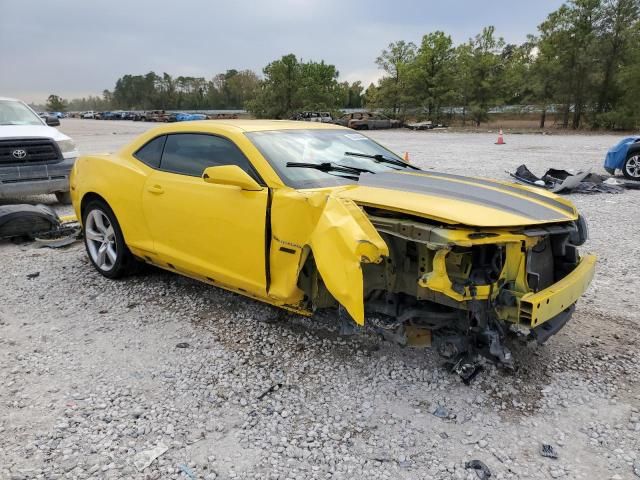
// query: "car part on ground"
[[37, 222], [481, 470], [624, 156], [561, 181], [434, 258]]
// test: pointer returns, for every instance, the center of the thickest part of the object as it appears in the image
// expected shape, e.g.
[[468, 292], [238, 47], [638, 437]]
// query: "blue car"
[[186, 117], [624, 156]]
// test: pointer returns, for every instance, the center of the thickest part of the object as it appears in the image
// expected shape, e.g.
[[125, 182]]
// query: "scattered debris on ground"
[[480, 469], [90, 375], [562, 181], [548, 451], [145, 458], [38, 223]]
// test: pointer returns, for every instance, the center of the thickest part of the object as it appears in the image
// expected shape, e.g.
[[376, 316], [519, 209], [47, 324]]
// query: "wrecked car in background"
[[323, 117], [35, 158], [309, 216], [624, 156], [367, 121]]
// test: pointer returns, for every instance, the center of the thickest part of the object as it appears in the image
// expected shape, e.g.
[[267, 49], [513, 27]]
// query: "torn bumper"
[[545, 305]]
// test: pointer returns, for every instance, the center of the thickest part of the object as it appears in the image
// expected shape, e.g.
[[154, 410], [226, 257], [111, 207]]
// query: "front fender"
[[341, 241]]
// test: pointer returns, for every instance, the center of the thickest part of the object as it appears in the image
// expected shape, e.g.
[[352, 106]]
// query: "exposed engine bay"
[[462, 290]]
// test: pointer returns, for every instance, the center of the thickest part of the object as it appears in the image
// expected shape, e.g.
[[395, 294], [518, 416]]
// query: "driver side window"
[[191, 153]]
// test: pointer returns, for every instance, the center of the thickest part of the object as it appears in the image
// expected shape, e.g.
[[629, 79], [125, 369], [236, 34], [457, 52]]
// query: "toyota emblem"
[[19, 153]]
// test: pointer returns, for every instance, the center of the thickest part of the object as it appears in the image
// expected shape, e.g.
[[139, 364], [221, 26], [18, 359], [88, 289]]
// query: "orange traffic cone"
[[406, 157], [500, 138]]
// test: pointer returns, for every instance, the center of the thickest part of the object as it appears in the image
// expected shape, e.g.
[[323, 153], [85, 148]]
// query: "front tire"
[[104, 241], [631, 167]]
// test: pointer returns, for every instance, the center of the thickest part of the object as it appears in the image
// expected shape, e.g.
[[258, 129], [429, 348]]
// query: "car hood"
[[462, 200], [13, 131]]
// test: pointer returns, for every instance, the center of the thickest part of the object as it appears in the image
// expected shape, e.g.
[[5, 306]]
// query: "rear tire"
[[104, 241], [64, 197], [631, 167]]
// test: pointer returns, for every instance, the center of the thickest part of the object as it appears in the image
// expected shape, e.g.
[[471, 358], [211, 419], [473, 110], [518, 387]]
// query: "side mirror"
[[230, 175], [52, 121]]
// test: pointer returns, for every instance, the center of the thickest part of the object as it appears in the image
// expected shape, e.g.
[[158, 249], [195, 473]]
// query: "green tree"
[[617, 50], [486, 69], [433, 73], [290, 85], [241, 88], [463, 78], [369, 98], [56, 104], [396, 61], [567, 36]]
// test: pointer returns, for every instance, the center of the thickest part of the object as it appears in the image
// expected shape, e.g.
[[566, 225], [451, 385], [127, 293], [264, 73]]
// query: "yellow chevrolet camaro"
[[307, 216]]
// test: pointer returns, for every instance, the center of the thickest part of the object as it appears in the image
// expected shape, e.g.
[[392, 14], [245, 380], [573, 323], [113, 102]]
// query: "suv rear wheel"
[[631, 167]]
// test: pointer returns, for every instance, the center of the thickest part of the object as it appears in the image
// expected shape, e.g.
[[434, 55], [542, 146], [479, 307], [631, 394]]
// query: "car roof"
[[255, 125], [11, 99]]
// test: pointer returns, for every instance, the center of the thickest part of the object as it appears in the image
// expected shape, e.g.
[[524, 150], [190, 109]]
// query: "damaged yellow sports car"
[[307, 216]]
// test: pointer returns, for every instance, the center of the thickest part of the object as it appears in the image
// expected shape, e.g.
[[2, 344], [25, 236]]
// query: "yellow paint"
[[215, 229], [68, 218], [549, 302], [437, 279], [231, 176], [343, 239]]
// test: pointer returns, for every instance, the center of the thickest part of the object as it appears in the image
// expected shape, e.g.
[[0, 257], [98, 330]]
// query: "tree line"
[[582, 65], [306, 84]]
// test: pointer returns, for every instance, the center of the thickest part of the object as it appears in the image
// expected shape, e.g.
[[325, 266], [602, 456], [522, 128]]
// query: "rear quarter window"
[[151, 152]]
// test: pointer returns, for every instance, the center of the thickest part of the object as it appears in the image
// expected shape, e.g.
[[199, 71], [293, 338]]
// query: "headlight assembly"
[[66, 146]]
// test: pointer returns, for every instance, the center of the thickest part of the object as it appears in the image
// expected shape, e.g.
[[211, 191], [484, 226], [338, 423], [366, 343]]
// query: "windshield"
[[17, 113], [282, 147]]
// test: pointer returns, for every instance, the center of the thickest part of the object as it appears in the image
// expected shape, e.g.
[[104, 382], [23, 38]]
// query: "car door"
[[203, 229]]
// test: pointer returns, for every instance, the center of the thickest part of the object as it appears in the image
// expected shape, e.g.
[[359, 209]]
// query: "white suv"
[[34, 157]]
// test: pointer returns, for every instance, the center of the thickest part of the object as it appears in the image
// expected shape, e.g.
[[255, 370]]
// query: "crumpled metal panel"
[[343, 239]]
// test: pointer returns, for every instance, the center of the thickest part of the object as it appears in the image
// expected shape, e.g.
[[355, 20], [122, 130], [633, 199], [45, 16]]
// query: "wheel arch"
[[633, 149], [87, 198]]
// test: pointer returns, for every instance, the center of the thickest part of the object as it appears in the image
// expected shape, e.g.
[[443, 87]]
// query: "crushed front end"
[[465, 287]]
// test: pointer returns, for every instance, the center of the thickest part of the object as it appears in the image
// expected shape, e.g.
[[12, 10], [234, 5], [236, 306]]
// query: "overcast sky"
[[79, 47]]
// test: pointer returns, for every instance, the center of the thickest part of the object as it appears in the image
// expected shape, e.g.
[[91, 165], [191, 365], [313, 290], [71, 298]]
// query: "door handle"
[[157, 189]]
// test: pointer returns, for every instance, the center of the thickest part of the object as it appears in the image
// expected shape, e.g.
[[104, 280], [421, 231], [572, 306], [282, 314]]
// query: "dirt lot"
[[91, 374]]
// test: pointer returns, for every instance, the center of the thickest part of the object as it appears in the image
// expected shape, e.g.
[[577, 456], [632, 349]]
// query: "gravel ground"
[[94, 373]]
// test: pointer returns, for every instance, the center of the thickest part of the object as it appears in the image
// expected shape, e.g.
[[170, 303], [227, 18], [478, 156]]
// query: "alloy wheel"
[[632, 166], [101, 240]]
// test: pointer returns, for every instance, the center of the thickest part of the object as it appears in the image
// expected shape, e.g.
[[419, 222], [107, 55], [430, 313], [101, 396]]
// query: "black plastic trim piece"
[[543, 332]]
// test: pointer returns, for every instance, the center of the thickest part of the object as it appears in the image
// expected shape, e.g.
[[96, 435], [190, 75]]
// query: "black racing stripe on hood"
[[478, 195], [497, 184]]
